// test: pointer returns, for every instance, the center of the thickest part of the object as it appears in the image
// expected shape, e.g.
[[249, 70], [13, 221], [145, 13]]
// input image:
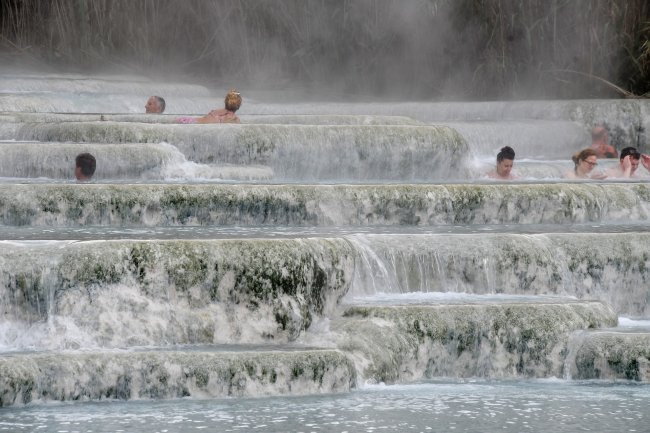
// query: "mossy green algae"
[[169, 374], [169, 205], [413, 341], [296, 279], [613, 355]]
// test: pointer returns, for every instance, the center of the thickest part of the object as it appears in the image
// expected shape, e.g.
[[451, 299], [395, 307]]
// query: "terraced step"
[[611, 267], [289, 119], [304, 152], [141, 293], [400, 343], [169, 373], [117, 162], [322, 205], [612, 355], [628, 119], [36, 278]]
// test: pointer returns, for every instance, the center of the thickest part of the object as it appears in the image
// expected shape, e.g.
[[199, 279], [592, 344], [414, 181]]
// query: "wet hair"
[[634, 154], [582, 155], [233, 100], [598, 133], [161, 103], [506, 153], [87, 163]]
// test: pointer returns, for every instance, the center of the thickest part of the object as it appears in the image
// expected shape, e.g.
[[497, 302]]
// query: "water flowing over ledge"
[[290, 119], [293, 281], [305, 152], [54, 162], [171, 374], [313, 205], [492, 340], [611, 267], [375, 297], [628, 119], [122, 293], [611, 355]]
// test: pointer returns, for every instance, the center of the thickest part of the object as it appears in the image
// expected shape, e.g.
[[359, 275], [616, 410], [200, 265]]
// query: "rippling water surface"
[[469, 406], [237, 232]]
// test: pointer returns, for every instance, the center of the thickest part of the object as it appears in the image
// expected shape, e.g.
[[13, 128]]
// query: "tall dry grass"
[[477, 49]]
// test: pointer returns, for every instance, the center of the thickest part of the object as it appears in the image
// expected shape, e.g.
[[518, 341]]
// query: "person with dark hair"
[[584, 163], [628, 163], [600, 143], [505, 161], [221, 115], [85, 165], [155, 105]]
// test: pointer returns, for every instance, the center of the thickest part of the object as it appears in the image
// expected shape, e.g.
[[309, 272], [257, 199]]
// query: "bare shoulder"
[[218, 112], [613, 172]]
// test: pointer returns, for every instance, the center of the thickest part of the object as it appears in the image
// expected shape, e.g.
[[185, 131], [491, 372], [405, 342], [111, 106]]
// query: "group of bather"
[[156, 105], [585, 161], [85, 163]]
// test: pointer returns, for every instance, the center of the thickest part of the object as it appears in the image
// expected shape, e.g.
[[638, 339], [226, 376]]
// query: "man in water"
[[85, 165], [600, 143], [505, 161], [628, 164], [155, 105]]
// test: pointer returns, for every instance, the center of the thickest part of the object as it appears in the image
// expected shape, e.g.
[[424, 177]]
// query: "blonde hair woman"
[[220, 115]]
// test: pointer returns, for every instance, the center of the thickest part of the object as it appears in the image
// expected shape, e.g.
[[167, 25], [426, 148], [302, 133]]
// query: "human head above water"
[[233, 100], [582, 155], [599, 133], [505, 161], [634, 154], [635, 158], [85, 165], [506, 152], [155, 104]]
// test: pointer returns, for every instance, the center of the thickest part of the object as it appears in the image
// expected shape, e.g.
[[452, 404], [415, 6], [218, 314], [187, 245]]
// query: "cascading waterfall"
[[313, 249]]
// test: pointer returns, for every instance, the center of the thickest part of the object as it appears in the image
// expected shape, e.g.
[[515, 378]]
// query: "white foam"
[[633, 323], [452, 297]]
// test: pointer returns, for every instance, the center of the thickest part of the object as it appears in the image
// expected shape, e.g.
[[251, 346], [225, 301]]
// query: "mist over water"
[[347, 50]]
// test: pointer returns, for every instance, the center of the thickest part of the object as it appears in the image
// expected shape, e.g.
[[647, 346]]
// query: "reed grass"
[[478, 49]]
